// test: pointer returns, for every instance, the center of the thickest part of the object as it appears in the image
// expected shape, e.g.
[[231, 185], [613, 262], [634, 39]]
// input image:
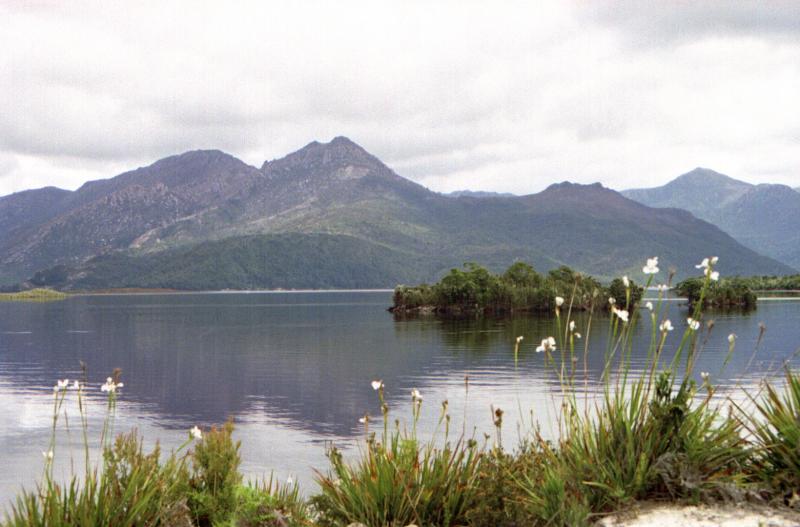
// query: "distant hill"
[[330, 215], [765, 218]]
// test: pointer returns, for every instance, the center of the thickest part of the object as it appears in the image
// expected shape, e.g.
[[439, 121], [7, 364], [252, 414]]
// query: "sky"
[[498, 96]]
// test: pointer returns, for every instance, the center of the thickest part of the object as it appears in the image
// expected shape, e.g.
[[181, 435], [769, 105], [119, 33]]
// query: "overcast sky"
[[486, 95]]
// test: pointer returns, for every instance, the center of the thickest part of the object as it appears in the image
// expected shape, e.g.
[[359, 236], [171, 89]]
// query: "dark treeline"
[[519, 289], [773, 283], [727, 293]]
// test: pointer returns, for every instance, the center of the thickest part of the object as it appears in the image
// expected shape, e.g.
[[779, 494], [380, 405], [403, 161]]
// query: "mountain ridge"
[[764, 217], [337, 192]]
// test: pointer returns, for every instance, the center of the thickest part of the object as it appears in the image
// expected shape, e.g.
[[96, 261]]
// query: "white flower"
[[61, 385], [110, 386], [704, 375], [732, 338], [572, 325], [415, 395], [577, 335], [694, 324], [76, 385], [48, 455], [548, 344], [196, 433], [364, 420], [626, 282], [662, 287], [706, 265], [612, 300], [559, 301], [377, 385], [649, 306], [652, 266], [621, 313], [289, 481], [666, 326], [519, 339]]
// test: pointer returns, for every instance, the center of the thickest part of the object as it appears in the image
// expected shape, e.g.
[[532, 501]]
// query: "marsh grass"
[[399, 479], [197, 484], [34, 295], [774, 425]]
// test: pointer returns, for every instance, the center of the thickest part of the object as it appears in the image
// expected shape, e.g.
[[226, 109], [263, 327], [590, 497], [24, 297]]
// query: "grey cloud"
[[456, 95], [659, 22]]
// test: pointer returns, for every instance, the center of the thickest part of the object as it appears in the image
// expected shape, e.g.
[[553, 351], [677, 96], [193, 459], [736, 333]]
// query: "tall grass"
[[198, 484], [775, 429], [401, 480]]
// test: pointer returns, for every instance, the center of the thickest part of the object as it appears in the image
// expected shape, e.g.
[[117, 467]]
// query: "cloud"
[[657, 22], [507, 97]]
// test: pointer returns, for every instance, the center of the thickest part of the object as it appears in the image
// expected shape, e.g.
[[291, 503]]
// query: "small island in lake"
[[736, 291], [520, 289], [733, 292]]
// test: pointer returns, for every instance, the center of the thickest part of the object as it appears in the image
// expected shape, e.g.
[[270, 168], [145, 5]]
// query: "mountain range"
[[330, 215], [765, 218]]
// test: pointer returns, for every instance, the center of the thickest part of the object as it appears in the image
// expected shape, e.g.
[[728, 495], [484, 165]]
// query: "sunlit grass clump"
[[33, 295]]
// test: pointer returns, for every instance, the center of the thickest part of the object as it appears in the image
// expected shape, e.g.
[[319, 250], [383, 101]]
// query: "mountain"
[[330, 215], [765, 218], [21, 215], [478, 194]]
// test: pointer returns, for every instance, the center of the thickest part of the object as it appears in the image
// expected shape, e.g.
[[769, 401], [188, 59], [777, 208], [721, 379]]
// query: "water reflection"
[[294, 369]]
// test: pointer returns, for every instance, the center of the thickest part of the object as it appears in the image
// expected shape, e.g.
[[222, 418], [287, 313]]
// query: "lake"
[[293, 369]]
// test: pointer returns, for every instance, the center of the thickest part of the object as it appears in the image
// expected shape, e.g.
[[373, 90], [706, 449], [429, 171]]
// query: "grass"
[[198, 484], [651, 435], [34, 295], [400, 480]]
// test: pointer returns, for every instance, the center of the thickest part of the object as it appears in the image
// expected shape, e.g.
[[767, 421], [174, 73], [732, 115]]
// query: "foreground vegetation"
[[519, 289], [33, 295], [658, 434]]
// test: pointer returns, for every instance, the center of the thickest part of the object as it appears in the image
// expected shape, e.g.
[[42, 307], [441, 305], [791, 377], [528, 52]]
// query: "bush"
[[775, 427], [215, 476]]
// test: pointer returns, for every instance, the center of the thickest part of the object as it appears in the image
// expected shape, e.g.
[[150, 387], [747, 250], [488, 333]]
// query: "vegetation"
[[657, 434], [401, 481], [725, 293], [519, 289], [199, 486], [773, 283], [248, 262], [34, 295]]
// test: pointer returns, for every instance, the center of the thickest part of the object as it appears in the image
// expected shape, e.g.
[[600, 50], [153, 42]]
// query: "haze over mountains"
[[330, 215], [765, 218]]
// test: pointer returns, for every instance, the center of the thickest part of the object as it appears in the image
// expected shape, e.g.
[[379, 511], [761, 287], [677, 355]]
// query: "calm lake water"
[[294, 369]]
